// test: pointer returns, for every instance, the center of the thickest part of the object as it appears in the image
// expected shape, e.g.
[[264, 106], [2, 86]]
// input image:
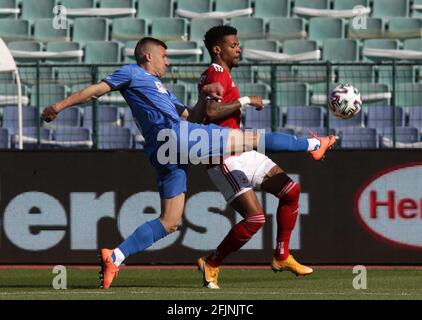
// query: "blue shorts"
[[171, 178], [208, 140]]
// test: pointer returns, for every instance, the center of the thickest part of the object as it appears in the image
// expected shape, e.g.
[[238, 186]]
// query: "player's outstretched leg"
[[241, 141]]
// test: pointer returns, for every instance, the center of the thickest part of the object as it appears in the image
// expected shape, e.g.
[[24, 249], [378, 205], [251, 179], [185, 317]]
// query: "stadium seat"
[[381, 44], [271, 9], [249, 27], [224, 5], [6, 77], [63, 46], [403, 74], [340, 50], [356, 74], [70, 117], [49, 94], [264, 72], [90, 29], [390, 8], [4, 138], [357, 121], [417, 13], [107, 116], [44, 31], [281, 28], [315, 4], [73, 137], [129, 51], [401, 28], [78, 4], [243, 73], [412, 44], [375, 94], [195, 5], [201, 25], [321, 28], [358, 138], [117, 4], [373, 28], [349, 4], [415, 117], [114, 138], [302, 117], [149, 9], [179, 90], [408, 94], [128, 29], [299, 46], [255, 119], [292, 94], [262, 44], [8, 4], [183, 45], [26, 46], [254, 89], [37, 9], [402, 134], [381, 117], [390, 44], [10, 118], [129, 123], [14, 29], [167, 29], [102, 52], [30, 138]]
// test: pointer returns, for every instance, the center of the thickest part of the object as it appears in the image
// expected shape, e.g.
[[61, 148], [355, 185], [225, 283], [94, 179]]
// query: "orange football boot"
[[326, 144], [290, 264], [109, 270], [209, 274]]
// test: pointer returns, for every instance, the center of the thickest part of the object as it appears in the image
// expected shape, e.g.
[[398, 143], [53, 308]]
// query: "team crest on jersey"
[[160, 87]]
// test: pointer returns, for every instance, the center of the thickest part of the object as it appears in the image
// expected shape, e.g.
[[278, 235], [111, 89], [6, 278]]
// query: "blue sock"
[[278, 141], [143, 237]]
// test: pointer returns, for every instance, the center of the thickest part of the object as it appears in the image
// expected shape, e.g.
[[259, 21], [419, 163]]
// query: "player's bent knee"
[[291, 192], [254, 223], [172, 227]]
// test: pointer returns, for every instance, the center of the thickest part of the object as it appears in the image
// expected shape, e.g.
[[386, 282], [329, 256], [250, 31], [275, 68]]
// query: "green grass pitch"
[[236, 284]]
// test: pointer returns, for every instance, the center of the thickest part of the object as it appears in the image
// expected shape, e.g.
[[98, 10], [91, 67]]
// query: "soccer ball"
[[344, 101]]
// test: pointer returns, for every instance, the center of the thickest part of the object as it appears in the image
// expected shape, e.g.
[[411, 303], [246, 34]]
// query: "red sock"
[[236, 238], [287, 213]]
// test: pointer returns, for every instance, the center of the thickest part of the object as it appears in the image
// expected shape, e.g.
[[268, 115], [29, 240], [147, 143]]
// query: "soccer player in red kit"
[[237, 176]]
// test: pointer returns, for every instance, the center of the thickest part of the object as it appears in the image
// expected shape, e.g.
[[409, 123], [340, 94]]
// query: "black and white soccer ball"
[[345, 101]]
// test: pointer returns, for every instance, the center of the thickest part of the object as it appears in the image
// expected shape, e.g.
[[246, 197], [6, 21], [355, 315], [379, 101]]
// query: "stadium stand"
[[307, 46]]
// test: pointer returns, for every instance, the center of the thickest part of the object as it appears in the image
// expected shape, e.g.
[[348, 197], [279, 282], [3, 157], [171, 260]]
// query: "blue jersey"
[[153, 107]]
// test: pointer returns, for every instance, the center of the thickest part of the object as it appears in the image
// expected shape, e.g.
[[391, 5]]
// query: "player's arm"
[[85, 95], [212, 91], [217, 110]]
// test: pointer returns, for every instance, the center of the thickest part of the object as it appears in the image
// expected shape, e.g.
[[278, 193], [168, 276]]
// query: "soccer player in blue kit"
[[156, 110]]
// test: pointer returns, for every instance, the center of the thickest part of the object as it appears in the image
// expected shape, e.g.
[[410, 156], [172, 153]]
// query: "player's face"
[[230, 51], [160, 60]]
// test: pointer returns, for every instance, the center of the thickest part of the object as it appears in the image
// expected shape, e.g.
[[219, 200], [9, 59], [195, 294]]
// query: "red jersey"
[[216, 73]]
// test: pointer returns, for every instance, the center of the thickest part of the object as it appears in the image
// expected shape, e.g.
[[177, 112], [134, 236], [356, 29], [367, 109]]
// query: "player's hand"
[[257, 102], [49, 114], [214, 90]]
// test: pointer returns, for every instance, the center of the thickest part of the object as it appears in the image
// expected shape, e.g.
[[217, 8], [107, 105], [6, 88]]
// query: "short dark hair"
[[141, 43], [215, 36]]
